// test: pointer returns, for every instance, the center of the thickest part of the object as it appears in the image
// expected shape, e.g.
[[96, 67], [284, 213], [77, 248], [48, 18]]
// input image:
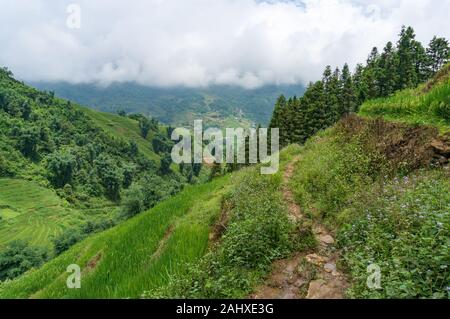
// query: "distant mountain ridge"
[[216, 105]]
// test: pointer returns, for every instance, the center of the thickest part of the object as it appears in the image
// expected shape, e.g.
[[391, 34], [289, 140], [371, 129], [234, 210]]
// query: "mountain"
[[222, 106], [366, 194], [67, 171]]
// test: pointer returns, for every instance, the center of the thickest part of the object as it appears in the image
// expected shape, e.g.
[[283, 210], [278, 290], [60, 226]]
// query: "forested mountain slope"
[[67, 171], [354, 194], [220, 106], [379, 188]]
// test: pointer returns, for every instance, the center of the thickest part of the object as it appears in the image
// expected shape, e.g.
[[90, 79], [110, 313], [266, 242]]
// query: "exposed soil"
[[305, 275], [402, 145], [92, 264], [221, 225], [162, 243]]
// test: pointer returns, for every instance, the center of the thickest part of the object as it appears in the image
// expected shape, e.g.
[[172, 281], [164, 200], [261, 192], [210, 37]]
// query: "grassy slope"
[[371, 181], [135, 256], [32, 212], [393, 216], [123, 127], [429, 104], [29, 207], [145, 254]]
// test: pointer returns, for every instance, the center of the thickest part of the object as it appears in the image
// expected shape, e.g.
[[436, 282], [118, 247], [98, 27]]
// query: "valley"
[[359, 207], [218, 106]]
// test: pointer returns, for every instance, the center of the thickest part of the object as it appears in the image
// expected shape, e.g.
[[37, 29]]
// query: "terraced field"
[[137, 255], [31, 212]]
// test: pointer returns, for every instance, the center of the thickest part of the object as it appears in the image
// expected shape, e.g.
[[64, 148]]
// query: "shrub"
[[67, 239], [20, 257]]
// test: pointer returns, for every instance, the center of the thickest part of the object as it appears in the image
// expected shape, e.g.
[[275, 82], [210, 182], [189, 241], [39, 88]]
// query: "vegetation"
[[64, 167], [386, 211], [137, 255], [218, 106], [339, 93], [376, 181], [429, 104], [258, 232], [20, 257]]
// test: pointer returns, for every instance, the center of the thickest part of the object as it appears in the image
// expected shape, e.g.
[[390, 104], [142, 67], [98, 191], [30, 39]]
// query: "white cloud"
[[202, 42]]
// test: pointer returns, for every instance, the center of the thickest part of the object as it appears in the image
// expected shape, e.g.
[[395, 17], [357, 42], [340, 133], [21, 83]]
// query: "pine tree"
[[438, 53], [420, 63], [360, 85], [406, 66], [388, 67], [276, 116], [347, 92], [372, 74], [331, 92]]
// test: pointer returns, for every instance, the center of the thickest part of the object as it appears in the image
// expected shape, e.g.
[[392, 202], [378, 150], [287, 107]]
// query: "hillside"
[[428, 104], [67, 171], [220, 106], [32, 212], [360, 207], [365, 192]]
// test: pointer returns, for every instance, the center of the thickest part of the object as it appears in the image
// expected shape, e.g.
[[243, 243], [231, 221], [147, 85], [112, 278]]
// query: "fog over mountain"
[[197, 43]]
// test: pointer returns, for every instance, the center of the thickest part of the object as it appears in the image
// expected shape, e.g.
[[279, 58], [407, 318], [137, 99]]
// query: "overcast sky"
[[202, 42]]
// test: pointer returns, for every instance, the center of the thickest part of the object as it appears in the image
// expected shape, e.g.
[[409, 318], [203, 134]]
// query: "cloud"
[[203, 42]]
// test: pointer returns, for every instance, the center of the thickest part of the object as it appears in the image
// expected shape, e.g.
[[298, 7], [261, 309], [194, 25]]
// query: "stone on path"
[[327, 239], [329, 267]]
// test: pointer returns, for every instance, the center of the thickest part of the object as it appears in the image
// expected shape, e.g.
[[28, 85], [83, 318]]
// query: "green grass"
[[428, 104], [33, 213], [148, 254], [393, 216], [125, 128], [258, 232], [138, 255]]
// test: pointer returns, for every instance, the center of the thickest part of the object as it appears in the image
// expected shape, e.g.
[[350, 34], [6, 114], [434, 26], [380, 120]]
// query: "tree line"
[[340, 92]]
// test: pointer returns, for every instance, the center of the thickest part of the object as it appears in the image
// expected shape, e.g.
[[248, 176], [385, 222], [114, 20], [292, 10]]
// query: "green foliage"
[[71, 164], [340, 93], [61, 167], [355, 177], [219, 106], [67, 239], [133, 202], [403, 227], [110, 176], [19, 257], [429, 104], [258, 232]]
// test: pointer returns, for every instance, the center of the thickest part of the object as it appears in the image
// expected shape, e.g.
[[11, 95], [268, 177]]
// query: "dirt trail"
[[305, 275]]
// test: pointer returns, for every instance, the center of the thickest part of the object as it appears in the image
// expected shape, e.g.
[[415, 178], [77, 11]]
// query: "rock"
[[440, 147], [316, 259], [329, 267], [443, 160], [327, 239], [320, 289], [299, 283]]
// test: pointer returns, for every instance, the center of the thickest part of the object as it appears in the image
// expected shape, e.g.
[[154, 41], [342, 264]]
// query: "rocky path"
[[305, 275]]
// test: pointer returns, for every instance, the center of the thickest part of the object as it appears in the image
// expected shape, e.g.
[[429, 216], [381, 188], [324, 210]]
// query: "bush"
[[133, 201], [20, 257], [61, 167], [67, 239]]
